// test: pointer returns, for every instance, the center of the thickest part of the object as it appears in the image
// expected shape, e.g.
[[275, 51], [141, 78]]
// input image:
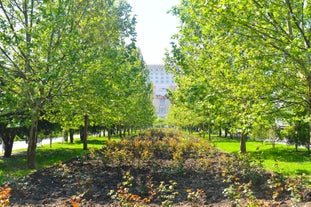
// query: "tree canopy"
[[248, 62], [65, 61]]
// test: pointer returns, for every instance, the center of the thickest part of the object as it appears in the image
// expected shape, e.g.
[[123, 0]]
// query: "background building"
[[161, 82]]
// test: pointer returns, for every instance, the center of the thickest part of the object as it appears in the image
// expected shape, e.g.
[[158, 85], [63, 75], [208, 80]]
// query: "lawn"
[[282, 158], [11, 168]]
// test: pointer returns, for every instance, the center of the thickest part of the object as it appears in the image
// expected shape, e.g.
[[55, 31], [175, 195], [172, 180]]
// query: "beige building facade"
[[162, 81]]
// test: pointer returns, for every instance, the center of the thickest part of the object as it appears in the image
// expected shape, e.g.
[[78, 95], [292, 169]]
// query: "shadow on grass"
[[92, 142], [282, 154], [16, 166]]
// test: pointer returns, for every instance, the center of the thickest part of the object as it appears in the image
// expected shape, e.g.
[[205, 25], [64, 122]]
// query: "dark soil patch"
[[55, 186]]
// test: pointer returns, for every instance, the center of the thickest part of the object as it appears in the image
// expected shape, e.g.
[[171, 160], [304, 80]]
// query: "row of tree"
[[242, 65], [70, 62]]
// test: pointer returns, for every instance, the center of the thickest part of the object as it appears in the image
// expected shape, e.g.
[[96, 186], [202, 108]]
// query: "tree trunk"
[[226, 132], [65, 133], [32, 144], [309, 125], [51, 141], [7, 136], [220, 132], [309, 106], [7, 142], [243, 143], [120, 131], [109, 134], [86, 123], [81, 133], [71, 133], [209, 134]]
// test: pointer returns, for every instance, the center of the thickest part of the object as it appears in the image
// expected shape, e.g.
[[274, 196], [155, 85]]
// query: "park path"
[[23, 145]]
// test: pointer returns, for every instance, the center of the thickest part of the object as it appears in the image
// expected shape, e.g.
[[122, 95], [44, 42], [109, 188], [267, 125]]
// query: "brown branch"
[[296, 20]]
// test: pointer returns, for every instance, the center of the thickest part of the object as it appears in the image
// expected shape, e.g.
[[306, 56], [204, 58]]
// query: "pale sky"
[[155, 27]]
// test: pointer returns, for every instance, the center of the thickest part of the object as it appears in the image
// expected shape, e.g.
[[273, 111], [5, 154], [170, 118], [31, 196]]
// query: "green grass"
[[282, 158], [11, 168]]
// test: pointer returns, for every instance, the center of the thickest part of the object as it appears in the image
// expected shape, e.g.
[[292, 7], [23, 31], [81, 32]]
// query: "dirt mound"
[[156, 172]]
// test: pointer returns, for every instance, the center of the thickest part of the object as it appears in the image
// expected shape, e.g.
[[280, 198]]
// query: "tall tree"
[[236, 81], [283, 29], [37, 42], [113, 74]]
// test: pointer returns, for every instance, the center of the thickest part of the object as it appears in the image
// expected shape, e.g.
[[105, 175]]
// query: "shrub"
[[5, 194]]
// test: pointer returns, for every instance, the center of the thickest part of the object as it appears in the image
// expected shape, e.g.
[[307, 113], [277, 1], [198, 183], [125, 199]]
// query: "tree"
[[237, 84], [38, 41], [112, 86], [64, 61], [282, 27]]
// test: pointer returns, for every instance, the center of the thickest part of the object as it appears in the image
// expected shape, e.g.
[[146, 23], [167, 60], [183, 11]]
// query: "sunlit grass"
[[283, 158], [11, 168]]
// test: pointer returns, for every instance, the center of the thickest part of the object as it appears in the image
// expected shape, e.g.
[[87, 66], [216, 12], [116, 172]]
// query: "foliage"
[[75, 201], [297, 134], [5, 194], [239, 63], [74, 63], [125, 195], [281, 184], [242, 195], [159, 122], [196, 197], [154, 144]]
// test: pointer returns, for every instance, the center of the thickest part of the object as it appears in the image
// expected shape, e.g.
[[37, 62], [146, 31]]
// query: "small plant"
[[295, 187], [166, 193], [5, 194], [242, 195], [76, 201], [282, 185], [123, 195], [196, 197], [276, 183]]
